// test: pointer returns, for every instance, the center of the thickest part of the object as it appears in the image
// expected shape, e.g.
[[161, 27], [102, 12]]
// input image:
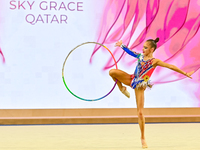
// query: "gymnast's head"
[[150, 45]]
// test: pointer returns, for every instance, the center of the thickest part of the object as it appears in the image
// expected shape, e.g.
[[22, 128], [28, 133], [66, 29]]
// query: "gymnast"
[[139, 81]]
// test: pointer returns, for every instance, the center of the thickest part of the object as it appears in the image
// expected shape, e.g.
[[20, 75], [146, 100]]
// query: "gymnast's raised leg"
[[121, 77]]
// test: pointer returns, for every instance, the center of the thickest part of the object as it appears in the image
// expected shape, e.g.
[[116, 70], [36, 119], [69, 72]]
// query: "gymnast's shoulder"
[[157, 62]]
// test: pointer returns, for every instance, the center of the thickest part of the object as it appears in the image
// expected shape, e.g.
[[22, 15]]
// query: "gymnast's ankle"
[[125, 92]]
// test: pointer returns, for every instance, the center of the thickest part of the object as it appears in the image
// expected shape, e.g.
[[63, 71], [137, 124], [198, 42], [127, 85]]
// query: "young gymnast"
[[140, 79]]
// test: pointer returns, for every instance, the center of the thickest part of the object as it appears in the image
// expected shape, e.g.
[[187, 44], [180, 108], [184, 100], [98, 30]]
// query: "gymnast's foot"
[[125, 92], [144, 144]]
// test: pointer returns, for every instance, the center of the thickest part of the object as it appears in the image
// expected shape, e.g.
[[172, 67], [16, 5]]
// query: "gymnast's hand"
[[189, 74], [119, 43]]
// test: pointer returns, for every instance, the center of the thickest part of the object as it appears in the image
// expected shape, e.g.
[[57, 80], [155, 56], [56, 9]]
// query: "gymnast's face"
[[147, 49]]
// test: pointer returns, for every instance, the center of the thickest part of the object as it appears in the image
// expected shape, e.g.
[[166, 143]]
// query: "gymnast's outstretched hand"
[[119, 43], [189, 74], [157, 62]]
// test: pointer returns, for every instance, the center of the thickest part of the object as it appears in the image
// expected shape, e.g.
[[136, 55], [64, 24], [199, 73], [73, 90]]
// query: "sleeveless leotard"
[[143, 71]]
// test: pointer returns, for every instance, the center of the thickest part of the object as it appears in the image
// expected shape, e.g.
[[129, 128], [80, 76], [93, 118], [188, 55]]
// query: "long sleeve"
[[134, 54]]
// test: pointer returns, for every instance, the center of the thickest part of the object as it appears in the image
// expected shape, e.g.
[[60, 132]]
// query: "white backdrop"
[[31, 76]]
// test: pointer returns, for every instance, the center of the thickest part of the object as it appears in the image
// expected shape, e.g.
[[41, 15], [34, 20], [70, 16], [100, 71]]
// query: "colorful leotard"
[[143, 70]]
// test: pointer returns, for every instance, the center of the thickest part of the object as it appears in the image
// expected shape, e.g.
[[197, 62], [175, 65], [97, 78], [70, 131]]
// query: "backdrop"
[[36, 37]]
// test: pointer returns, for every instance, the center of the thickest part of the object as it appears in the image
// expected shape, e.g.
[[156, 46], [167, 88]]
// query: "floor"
[[169, 136]]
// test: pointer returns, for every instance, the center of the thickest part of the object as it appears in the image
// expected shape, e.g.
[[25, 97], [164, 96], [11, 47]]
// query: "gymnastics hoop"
[[64, 78]]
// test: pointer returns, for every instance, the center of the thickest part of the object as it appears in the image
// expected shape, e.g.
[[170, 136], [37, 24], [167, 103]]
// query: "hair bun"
[[156, 40]]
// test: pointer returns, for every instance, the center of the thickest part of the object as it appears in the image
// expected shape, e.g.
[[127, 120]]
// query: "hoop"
[[64, 78]]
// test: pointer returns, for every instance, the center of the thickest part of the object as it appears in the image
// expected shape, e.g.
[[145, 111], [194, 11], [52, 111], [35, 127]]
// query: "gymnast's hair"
[[153, 43]]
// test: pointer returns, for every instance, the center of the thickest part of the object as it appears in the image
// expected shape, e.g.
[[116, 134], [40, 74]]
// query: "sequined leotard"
[[143, 71]]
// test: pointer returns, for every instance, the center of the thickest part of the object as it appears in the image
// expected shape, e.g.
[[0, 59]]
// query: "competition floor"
[[169, 136]]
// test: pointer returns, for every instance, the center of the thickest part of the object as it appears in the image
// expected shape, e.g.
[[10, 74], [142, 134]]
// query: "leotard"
[[143, 71]]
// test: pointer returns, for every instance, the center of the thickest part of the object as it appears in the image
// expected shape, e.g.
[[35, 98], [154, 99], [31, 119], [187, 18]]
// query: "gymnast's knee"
[[112, 72], [140, 114]]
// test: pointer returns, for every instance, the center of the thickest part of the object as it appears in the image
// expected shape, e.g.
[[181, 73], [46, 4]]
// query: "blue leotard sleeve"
[[134, 54]]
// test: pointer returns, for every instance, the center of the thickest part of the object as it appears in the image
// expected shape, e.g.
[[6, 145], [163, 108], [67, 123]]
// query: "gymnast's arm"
[[157, 62], [134, 54]]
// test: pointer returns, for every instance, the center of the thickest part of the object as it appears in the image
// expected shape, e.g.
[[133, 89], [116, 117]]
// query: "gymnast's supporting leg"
[[121, 77], [139, 94]]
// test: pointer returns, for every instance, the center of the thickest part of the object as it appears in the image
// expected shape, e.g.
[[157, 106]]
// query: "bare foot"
[[125, 92], [144, 144], [189, 74]]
